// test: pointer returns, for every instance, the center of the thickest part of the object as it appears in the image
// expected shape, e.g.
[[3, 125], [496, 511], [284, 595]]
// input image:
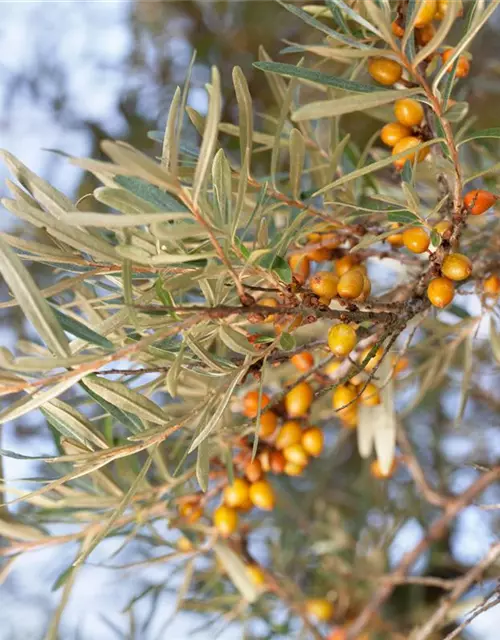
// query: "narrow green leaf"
[[354, 15], [160, 199], [221, 179], [128, 420], [236, 570], [71, 423], [203, 465], [493, 132], [405, 217], [80, 330], [170, 151], [297, 155], [245, 114]]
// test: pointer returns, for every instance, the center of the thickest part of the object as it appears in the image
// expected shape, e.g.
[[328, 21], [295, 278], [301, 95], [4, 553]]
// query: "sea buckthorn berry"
[[256, 575], [456, 266], [351, 284], [331, 368], [345, 264], [296, 454], [302, 361], [395, 239], [426, 12], [292, 469], [225, 520], [184, 544], [343, 395], [425, 34], [319, 608], [377, 472], [269, 302], [373, 362], [321, 253], [324, 284], [443, 226], [393, 132], [288, 324], [341, 634], [440, 292], [253, 470], [265, 460], [408, 112], [349, 416], [397, 29], [443, 6], [251, 403], [300, 266], [277, 461], [416, 239], [463, 66], [342, 339], [370, 395], [400, 364], [405, 145], [290, 433], [268, 424], [236, 494], [190, 511], [246, 506], [491, 285], [479, 201], [331, 239], [385, 71], [262, 495], [367, 289], [299, 399], [313, 441]]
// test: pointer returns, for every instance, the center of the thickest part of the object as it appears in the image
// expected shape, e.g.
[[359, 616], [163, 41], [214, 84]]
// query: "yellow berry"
[[463, 66], [290, 433], [342, 339], [292, 469], [349, 416], [269, 302], [296, 454], [443, 226], [346, 263], [268, 424], [367, 288], [408, 112], [440, 292], [416, 239], [456, 266], [184, 544], [225, 520], [426, 12], [236, 494], [491, 285], [385, 71], [324, 284], [331, 368], [376, 471], [299, 399], [256, 575], [262, 495], [343, 395], [405, 144], [425, 34], [300, 266], [313, 441], [374, 360], [351, 284], [253, 470], [319, 608], [393, 132], [191, 511], [370, 395]]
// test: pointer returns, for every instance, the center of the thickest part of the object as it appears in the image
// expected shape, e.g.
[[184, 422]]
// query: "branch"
[[472, 616]]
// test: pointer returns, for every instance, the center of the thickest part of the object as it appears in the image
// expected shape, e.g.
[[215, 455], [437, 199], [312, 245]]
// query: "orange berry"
[[321, 253], [456, 266], [370, 395], [184, 544], [416, 239], [374, 360], [401, 364], [377, 472], [342, 339], [405, 144], [290, 433], [346, 263], [296, 454], [236, 494], [277, 461], [425, 14], [425, 34], [491, 285], [319, 608], [300, 266], [443, 226], [349, 416], [225, 520], [385, 71], [408, 112], [479, 201], [341, 634], [343, 395], [367, 289], [312, 441], [393, 132], [395, 240], [397, 29], [251, 403], [351, 284], [253, 470], [440, 292], [302, 361], [292, 469], [262, 495], [190, 511], [268, 424], [463, 66], [256, 575], [442, 8], [324, 284], [299, 399], [269, 302], [331, 368]]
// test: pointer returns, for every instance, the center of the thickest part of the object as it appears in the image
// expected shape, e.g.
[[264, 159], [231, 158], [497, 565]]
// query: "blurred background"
[[71, 74]]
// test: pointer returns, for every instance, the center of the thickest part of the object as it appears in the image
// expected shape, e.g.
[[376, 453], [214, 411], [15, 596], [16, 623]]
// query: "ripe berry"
[[268, 424], [296, 454], [405, 145], [463, 66], [349, 416], [442, 8], [319, 608], [256, 575], [236, 494], [408, 112], [290, 433], [321, 253], [351, 284], [393, 132], [416, 239], [292, 469], [262, 495], [225, 520], [312, 441], [346, 263], [302, 361], [253, 470], [395, 240], [331, 368], [300, 266], [479, 201], [288, 324], [443, 226], [370, 396], [367, 288], [251, 403], [343, 395], [456, 267], [400, 364], [385, 71], [491, 285], [374, 360], [426, 13], [277, 461], [269, 302], [298, 400], [440, 292], [425, 34], [342, 339], [324, 284], [397, 29], [376, 471], [190, 511], [184, 544]]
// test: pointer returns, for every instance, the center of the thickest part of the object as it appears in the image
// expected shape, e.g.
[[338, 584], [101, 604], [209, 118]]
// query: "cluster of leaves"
[[152, 332]]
